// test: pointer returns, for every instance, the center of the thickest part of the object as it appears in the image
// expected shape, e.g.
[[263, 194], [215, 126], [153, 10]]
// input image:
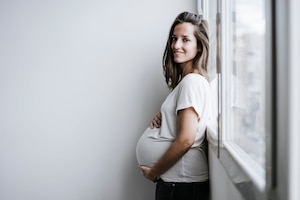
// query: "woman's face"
[[184, 43]]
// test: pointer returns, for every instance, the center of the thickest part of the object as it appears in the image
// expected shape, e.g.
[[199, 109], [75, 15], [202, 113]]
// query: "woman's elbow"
[[186, 145]]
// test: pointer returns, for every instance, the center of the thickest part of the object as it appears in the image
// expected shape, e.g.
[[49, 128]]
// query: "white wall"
[[79, 82], [288, 96]]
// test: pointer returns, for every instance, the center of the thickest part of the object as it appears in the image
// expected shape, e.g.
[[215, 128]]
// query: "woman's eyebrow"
[[185, 36]]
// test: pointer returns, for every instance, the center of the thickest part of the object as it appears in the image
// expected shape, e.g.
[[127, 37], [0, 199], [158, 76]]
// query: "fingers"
[[156, 122], [146, 172], [144, 169]]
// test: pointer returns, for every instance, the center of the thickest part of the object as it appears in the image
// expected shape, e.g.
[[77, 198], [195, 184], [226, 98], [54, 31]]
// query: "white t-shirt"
[[192, 91]]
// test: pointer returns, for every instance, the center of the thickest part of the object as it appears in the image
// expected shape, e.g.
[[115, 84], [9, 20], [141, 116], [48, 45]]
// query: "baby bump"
[[150, 147]]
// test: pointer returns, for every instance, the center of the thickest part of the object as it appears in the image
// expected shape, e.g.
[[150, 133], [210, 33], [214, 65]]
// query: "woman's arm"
[[187, 127]]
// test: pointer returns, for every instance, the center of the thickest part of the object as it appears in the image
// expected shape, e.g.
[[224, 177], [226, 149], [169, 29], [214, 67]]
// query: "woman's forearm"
[[170, 157]]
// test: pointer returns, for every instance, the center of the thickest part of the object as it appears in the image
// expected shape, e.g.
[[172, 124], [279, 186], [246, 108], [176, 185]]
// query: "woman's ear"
[[199, 48]]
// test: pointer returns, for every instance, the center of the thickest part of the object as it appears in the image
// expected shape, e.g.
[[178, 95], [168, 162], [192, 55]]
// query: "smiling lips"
[[176, 53]]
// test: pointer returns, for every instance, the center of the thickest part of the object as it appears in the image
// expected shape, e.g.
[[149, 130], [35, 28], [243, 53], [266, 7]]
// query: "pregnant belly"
[[150, 148]]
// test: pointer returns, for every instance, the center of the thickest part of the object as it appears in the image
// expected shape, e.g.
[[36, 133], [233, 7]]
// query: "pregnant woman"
[[171, 151]]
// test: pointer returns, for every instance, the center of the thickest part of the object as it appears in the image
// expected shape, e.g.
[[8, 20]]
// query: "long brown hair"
[[172, 70]]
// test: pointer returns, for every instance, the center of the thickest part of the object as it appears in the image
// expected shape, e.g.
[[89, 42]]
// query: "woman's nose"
[[177, 44]]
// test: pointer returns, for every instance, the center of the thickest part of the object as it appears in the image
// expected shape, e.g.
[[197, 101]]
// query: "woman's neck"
[[187, 70]]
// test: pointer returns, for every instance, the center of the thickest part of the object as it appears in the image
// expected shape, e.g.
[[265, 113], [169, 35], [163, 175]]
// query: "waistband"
[[181, 183]]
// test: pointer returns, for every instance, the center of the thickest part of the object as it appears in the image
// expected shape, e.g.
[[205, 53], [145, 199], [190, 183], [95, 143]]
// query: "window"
[[248, 78], [238, 41], [243, 85]]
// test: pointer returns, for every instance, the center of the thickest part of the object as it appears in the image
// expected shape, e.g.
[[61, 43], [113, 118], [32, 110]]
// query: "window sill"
[[253, 170]]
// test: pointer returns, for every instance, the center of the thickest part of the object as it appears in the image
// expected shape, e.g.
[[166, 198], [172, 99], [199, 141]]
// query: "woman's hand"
[[146, 171], [156, 121]]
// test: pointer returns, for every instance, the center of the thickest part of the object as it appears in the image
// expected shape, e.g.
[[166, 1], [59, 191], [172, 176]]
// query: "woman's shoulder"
[[194, 79]]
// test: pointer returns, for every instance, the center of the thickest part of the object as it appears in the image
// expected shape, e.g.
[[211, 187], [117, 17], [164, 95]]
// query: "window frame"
[[255, 172], [260, 183]]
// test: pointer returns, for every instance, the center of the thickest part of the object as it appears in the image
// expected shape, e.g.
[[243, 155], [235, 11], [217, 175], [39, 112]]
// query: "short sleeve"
[[192, 93]]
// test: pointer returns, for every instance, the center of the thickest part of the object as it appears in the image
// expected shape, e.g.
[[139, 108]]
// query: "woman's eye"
[[174, 38], [185, 40]]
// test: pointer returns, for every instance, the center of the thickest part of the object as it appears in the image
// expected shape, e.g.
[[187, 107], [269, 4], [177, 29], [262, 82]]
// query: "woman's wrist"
[[152, 175]]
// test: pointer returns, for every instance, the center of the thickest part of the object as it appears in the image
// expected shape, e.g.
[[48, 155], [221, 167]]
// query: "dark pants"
[[182, 191]]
